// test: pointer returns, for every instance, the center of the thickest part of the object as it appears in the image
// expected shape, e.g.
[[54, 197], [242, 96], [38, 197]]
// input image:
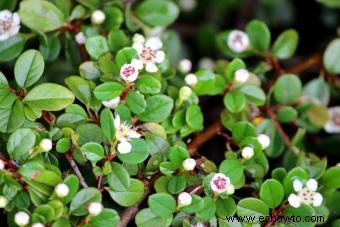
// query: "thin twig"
[[311, 61], [76, 170]]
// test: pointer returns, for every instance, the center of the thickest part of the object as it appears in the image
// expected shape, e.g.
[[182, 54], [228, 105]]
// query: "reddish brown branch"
[[311, 61], [76, 170]]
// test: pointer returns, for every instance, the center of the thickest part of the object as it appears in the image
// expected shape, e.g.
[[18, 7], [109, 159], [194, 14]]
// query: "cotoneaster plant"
[[119, 142]]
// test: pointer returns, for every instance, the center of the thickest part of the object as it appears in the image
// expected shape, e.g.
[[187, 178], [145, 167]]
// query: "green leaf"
[[50, 97], [130, 196], [252, 207], [28, 68], [272, 193], [107, 124], [208, 209], [118, 179], [89, 71], [51, 50], [81, 88], [303, 211], [12, 47], [93, 151], [157, 13], [96, 46], [259, 35], [194, 117], [177, 155], [287, 89], [146, 218], [40, 15], [125, 56], [12, 118], [89, 133], [235, 101], [108, 90], [136, 102], [254, 94], [318, 89], [285, 45], [330, 3], [233, 66], [330, 178], [232, 169], [225, 207], [286, 114], [78, 206], [243, 129], [318, 115], [148, 84], [331, 55], [117, 40], [108, 217], [195, 206], [114, 17], [158, 108], [205, 82], [72, 181], [176, 184], [20, 143], [162, 204], [139, 152]]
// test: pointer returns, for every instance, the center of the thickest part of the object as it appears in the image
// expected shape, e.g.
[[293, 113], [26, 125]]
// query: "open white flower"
[[130, 72], [124, 133], [306, 194], [95, 208], [333, 124], [184, 199], [189, 164], [98, 17], [3, 201], [62, 190], [150, 53], [45, 144], [247, 153], [21, 218], [113, 103], [9, 24], [184, 66], [38, 224], [191, 79], [2, 164], [264, 140], [241, 75], [80, 38], [221, 183], [238, 41]]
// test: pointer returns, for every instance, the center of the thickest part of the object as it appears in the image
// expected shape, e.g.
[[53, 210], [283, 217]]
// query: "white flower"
[[98, 17], [113, 103], [3, 201], [184, 66], [189, 164], [306, 194], [333, 124], [2, 164], [9, 24], [264, 140], [238, 41], [220, 183], [95, 208], [45, 144], [187, 5], [129, 72], [206, 63], [124, 133], [184, 93], [241, 75], [184, 199], [80, 38], [62, 190], [191, 79], [247, 153], [21, 218], [38, 224], [149, 53]]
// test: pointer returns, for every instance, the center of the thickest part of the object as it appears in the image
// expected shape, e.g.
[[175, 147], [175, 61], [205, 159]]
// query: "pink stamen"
[[128, 71], [148, 54], [220, 183]]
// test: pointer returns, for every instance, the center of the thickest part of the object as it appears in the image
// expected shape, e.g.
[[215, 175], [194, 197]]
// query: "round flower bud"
[[189, 164], [113, 103], [238, 41], [264, 140], [98, 17], [184, 66], [21, 218], [3, 201], [45, 144], [38, 224], [80, 38], [95, 208], [184, 93], [247, 153], [206, 63], [230, 189], [62, 190], [184, 199], [241, 75], [191, 79], [2, 164]]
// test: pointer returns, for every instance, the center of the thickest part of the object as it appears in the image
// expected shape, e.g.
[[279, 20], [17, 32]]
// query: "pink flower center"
[[220, 183], [238, 40], [147, 54], [128, 71], [5, 24]]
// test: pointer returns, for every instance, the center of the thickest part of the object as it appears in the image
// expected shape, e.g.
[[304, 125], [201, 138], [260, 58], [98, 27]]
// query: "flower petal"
[[297, 185], [160, 56], [294, 200], [138, 64], [138, 46], [154, 43], [151, 68], [124, 147], [317, 199], [134, 134], [117, 122], [312, 185], [16, 19]]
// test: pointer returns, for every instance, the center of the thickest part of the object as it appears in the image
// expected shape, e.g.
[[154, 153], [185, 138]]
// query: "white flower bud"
[[62, 190], [191, 79], [2, 164], [38, 224], [45, 144], [184, 93], [113, 103], [241, 75], [80, 38], [98, 17], [189, 164], [95, 208], [124, 147], [21, 218], [238, 41], [3, 201], [206, 63], [138, 38], [264, 140], [184, 199], [247, 153], [230, 189], [184, 66]]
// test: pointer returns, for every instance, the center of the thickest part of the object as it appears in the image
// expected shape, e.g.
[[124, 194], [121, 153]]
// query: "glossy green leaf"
[[78, 206], [130, 196], [158, 108], [93, 151], [272, 193], [259, 35], [287, 89], [162, 204], [285, 45], [331, 55]]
